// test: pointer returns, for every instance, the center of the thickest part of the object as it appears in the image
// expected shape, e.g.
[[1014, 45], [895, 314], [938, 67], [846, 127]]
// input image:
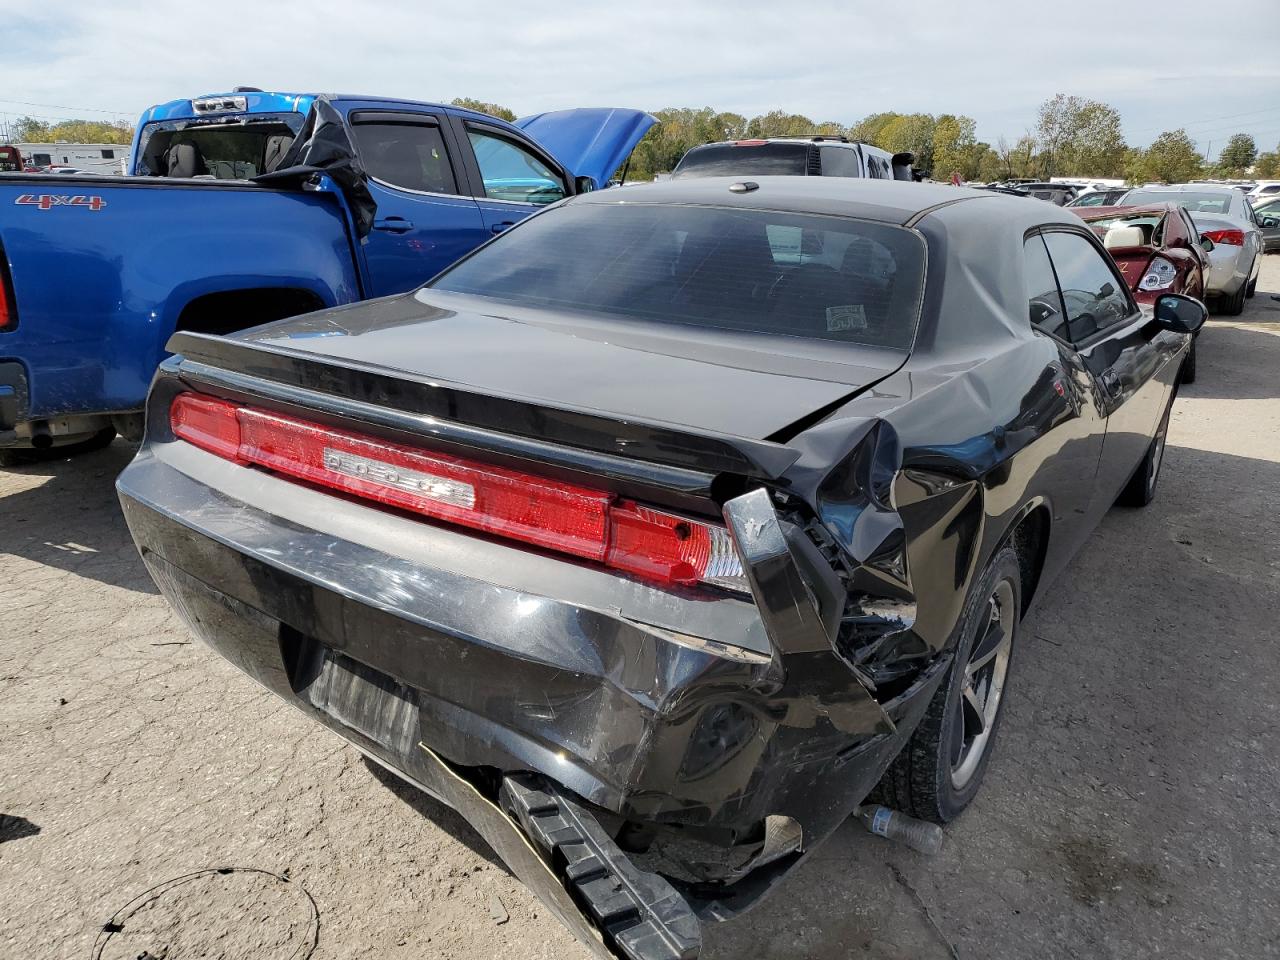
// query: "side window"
[[407, 155], [510, 172], [1043, 299], [1093, 296], [108, 154], [839, 162]]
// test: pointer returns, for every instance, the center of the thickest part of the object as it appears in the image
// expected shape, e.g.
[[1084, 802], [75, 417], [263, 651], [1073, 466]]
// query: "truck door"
[[424, 220], [510, 175]]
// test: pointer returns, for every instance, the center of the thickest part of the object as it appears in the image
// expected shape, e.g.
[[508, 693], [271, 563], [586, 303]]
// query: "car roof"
[[888, 201], [1189, 188], [1102, 213]]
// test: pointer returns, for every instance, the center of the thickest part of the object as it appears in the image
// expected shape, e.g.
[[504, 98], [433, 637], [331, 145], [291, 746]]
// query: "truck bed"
[[103, 269]]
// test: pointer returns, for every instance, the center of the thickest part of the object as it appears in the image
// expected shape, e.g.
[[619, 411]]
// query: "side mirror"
[[1267, 221], [1206, 243], [1180, 313], [583, 185]]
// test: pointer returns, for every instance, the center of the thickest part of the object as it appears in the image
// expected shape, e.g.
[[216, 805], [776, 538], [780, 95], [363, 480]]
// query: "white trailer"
[[88, 157]]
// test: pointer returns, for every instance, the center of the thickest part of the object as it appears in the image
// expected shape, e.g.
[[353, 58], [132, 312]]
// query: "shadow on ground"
[[71, 518]]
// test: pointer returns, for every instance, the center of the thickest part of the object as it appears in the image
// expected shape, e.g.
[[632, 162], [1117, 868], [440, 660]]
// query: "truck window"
[[510, 172], [411, 156], [840, 162]]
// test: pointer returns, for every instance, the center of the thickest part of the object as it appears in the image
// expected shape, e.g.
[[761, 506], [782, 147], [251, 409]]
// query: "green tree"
[[1237, 156], [954, 146], [1171, 158], [1075, 135], [1267, 166], [480, 106], [31, 130]]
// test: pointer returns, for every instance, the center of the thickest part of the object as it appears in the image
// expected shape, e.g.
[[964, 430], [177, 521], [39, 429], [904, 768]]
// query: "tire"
[[1233, 306], [938, 772], [1141, 488], [1251, 289], [1189, 364]]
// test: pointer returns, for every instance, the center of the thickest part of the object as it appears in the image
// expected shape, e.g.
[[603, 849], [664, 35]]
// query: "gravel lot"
[[1130, 810]]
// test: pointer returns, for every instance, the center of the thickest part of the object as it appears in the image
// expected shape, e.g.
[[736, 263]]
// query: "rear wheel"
[[1141, 488], [1233, 305], [941, 768]]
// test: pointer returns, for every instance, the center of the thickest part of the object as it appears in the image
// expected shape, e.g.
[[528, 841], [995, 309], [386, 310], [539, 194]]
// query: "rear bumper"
[[412, 642]]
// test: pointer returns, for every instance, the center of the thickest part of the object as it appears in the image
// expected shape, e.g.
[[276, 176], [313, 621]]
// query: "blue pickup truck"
[[247, 207]]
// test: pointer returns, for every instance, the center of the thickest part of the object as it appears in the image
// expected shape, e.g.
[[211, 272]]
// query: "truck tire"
[[941, 767]]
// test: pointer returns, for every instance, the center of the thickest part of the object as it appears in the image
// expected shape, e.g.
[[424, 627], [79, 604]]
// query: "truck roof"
[[261, 101]]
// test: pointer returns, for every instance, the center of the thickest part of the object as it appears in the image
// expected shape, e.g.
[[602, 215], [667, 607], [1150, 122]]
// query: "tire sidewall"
[[1004, 565]]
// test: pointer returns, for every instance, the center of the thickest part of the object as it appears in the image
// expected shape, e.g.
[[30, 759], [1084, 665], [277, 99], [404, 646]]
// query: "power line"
[[63, 106], [1214, 122]]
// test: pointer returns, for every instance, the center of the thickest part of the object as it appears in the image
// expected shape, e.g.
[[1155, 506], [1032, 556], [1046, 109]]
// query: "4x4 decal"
[[47, 201]]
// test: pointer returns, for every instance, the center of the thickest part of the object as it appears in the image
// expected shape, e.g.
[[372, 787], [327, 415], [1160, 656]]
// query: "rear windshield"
[[797, 275], [745, 159], [224, 149], [1194, 202]]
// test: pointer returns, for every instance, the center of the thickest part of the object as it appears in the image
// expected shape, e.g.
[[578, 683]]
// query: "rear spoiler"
[[457, 412]]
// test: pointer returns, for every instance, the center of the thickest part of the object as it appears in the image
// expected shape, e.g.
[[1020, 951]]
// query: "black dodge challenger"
[[657, 533]]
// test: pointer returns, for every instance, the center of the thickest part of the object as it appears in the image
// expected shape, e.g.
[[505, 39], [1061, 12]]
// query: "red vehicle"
[[10, 159], [1158, 250]]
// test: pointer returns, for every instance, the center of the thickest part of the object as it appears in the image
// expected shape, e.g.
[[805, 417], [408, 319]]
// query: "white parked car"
[[1267, 190], [1227, 221]]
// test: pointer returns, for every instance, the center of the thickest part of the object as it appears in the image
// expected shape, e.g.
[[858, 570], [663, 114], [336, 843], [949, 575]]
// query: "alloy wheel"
[[982, 685]]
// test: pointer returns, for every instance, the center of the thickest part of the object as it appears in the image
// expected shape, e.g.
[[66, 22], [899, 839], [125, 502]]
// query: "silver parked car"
[[1268, 214], [1230, 227]]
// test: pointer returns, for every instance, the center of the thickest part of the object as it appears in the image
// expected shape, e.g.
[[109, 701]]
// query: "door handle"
[[393, 224], [499, 227]]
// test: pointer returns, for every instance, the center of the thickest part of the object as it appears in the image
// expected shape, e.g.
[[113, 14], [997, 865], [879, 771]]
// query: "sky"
[[1213, 68]]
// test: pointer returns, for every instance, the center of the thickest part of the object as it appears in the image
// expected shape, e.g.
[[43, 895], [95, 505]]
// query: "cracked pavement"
[[1131, 809]]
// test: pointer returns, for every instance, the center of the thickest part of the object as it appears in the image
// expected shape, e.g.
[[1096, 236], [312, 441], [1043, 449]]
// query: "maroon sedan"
[[1158, 250], [1156, 246]]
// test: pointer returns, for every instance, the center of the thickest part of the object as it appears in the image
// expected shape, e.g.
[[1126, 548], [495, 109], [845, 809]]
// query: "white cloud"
[[830, 60]]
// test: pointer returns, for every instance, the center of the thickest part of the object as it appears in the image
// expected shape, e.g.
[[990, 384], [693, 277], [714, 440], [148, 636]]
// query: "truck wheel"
[[941, 767], [1141, 488], [1189, 365]]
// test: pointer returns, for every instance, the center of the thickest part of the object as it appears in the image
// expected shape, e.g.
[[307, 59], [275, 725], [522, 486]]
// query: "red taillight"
[[8, 314], [558, 516], [749, 143], [210, 424], [1234, 237]]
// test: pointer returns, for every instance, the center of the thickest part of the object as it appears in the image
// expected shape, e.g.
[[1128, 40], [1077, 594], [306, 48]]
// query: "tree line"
[[1072, 136]]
